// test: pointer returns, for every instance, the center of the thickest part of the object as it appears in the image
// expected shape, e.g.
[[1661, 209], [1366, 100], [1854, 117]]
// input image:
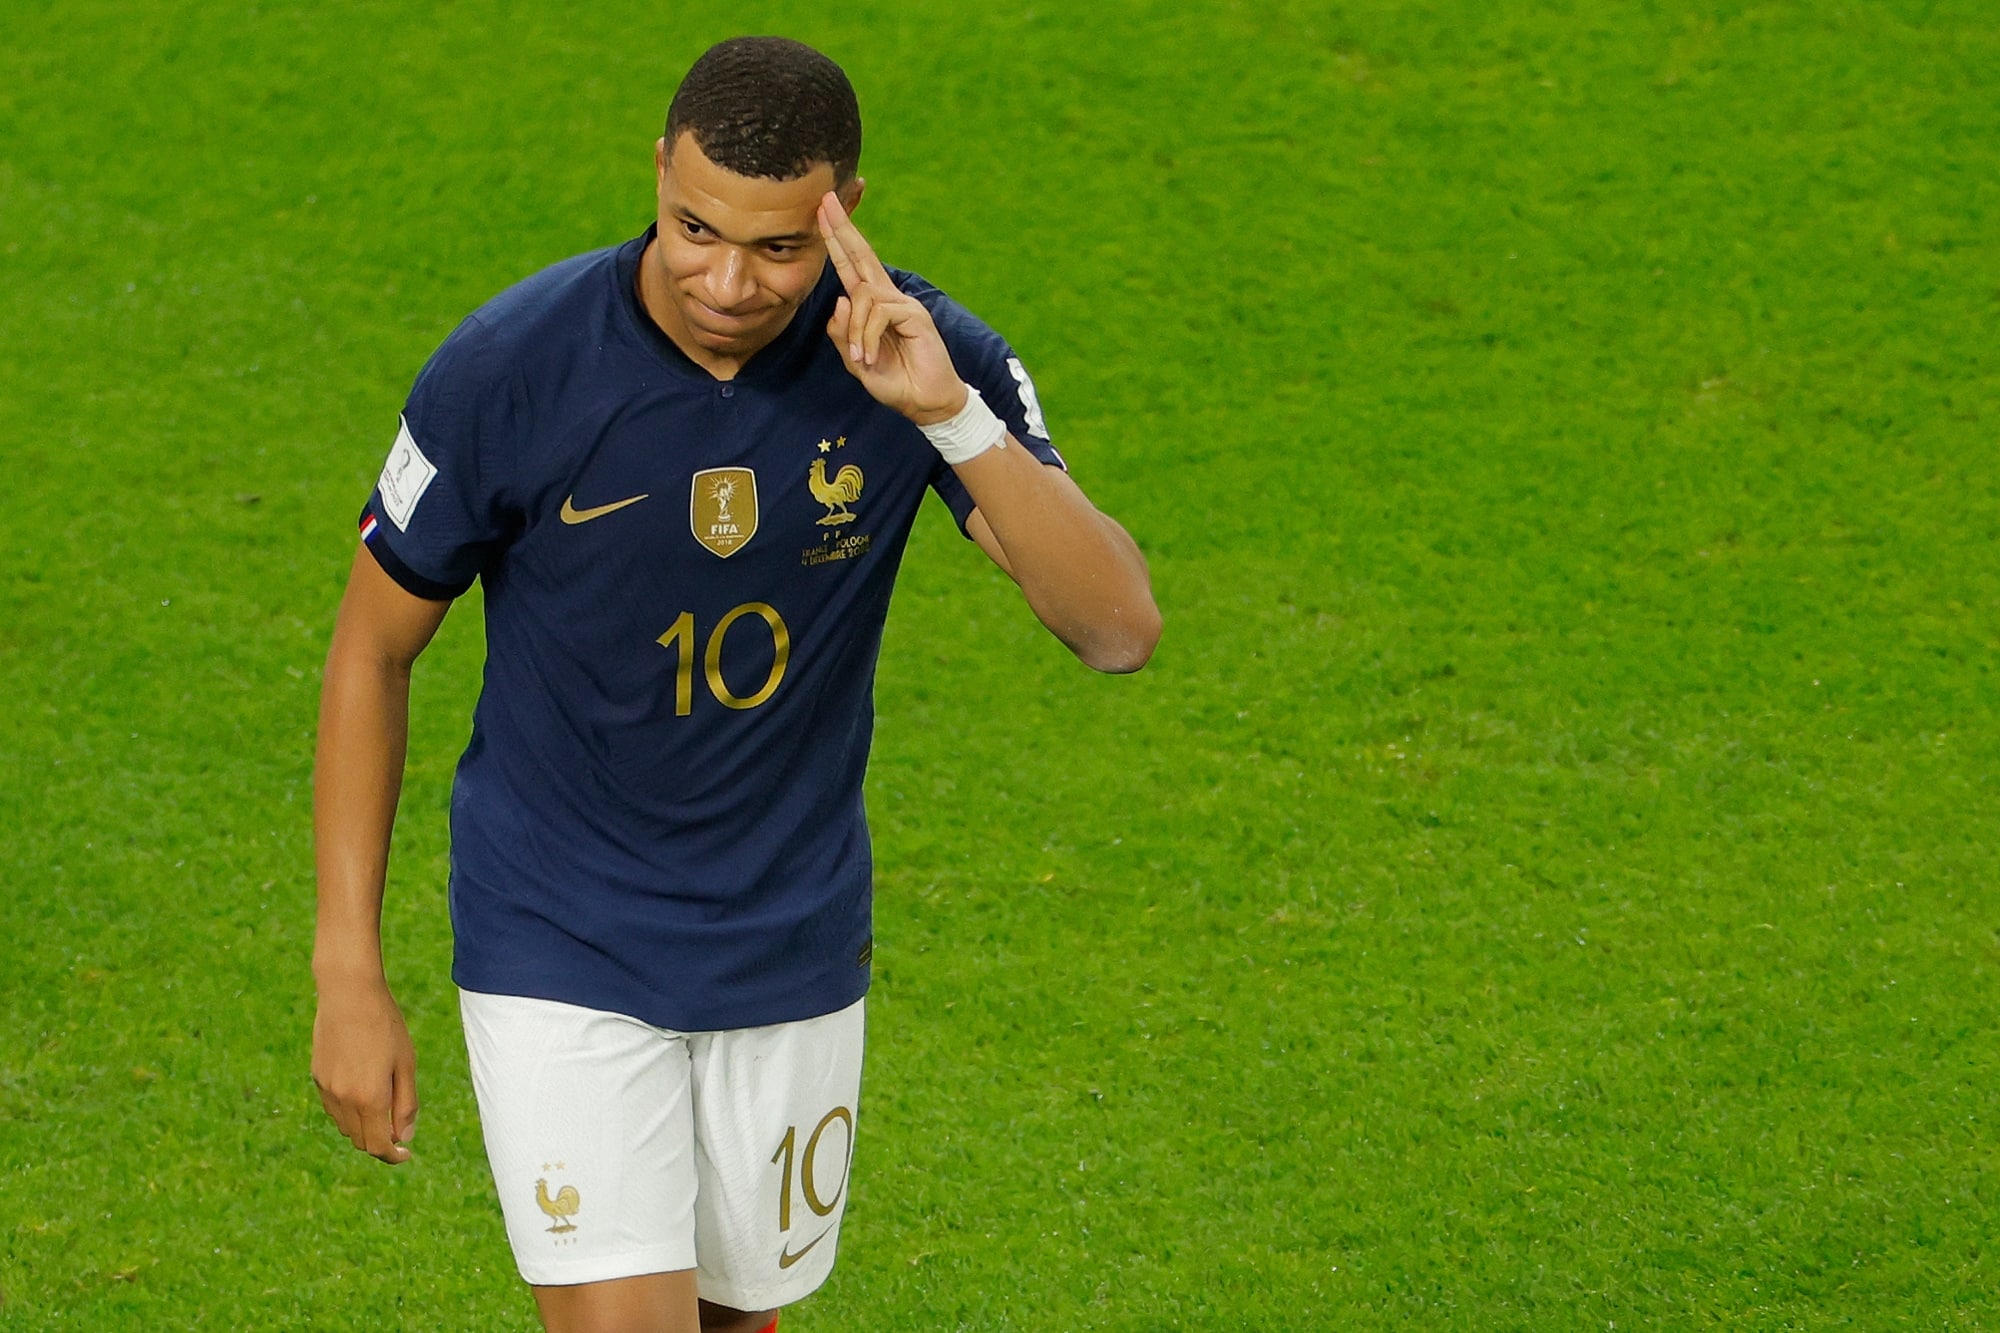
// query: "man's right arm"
[[363, 1061]]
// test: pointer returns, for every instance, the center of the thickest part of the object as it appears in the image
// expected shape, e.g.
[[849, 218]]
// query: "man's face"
[[738, 253]]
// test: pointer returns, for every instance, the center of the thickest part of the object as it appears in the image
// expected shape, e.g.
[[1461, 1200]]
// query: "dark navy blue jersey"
[[659, 812]]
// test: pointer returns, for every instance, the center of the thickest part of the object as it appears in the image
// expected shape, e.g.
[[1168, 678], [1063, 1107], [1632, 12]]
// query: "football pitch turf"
[[1546, 878]]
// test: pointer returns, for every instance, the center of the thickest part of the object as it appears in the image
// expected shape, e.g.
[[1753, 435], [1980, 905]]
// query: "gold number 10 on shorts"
[[821, 1204], [680, 639]]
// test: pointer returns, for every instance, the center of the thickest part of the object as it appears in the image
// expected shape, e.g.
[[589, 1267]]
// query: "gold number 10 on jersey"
[[681, 639]]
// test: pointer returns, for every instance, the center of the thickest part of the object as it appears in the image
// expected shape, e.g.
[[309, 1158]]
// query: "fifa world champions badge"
[[722, 509]]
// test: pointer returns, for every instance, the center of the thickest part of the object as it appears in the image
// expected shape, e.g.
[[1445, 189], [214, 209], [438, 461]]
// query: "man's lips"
[[708, 314]]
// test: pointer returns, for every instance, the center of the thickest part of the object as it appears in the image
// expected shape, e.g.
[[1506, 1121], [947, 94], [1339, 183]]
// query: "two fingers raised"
[[862, 316], [874, 305], [853, 258]]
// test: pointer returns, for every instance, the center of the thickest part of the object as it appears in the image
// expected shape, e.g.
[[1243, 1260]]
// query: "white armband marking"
[[1029, 402]]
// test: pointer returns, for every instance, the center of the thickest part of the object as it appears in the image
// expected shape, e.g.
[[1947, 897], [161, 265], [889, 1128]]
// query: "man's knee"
[[721, 1319], [653, 1303]]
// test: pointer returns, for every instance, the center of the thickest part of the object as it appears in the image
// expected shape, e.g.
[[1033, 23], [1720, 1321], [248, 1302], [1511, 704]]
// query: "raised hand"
[[886, 337]]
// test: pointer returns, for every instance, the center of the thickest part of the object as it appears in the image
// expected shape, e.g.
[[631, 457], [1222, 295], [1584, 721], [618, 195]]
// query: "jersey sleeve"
[[439, 510], [985, 361]]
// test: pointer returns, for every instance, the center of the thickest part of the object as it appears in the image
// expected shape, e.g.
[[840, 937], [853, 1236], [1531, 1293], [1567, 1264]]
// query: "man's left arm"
[[1081, 573]]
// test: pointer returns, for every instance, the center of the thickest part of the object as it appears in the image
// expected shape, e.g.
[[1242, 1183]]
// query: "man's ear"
[[660, 160], [850, 194]]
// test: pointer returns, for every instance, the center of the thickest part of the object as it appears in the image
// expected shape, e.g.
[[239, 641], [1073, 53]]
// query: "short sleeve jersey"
[[659, 812]]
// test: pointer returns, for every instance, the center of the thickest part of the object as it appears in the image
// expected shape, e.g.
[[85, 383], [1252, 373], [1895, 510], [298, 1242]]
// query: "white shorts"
[[619, 1148]]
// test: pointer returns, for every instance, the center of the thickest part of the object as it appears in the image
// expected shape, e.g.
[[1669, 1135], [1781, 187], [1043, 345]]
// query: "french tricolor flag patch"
[[368, 526]]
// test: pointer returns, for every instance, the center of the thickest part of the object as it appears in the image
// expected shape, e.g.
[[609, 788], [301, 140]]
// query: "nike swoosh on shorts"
[[786, 1259]]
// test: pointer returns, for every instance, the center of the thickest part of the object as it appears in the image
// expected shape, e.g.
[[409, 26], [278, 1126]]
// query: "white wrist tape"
[[969, 434]]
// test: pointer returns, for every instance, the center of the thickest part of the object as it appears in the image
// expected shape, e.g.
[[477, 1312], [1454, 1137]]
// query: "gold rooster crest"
[[836, 495], [562, 1207], [722, 508]]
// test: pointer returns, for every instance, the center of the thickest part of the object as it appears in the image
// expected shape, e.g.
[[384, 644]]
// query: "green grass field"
[[1546, 879]]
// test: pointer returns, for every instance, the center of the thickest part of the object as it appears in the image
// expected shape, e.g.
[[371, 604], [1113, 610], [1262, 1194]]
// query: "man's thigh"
[[774, 1111], [589, 1126], [620, 1149]]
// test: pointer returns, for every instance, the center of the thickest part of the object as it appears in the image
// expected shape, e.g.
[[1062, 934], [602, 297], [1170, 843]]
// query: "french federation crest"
[[722, 508]]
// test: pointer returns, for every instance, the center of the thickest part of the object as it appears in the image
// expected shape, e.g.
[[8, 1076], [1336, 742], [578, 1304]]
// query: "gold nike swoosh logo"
[[571, 514], [786, 1259]]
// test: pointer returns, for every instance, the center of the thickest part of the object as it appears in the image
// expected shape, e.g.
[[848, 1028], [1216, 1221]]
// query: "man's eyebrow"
[[787, 238]]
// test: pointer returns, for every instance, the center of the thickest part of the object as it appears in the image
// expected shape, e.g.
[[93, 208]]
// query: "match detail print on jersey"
[[405, 477], [722, 508]]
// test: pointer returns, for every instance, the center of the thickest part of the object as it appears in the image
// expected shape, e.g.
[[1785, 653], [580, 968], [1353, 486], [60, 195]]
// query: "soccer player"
[[684, 469]]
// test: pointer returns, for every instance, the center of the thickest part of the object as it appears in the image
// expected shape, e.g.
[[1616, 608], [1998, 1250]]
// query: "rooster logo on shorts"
[[562, 1207]]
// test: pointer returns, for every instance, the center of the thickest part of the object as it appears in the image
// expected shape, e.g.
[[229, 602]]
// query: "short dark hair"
[[768, 106]]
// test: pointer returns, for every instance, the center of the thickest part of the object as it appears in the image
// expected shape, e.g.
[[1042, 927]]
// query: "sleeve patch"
[[405, 477], [1029, 403]]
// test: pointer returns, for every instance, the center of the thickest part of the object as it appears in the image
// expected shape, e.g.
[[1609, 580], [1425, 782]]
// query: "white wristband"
[[969, 434]]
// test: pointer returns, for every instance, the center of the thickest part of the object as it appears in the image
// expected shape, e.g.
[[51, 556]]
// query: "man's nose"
[[729, 279]]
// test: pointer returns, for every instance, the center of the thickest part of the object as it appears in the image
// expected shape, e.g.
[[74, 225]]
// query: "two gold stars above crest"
[[828, 446]]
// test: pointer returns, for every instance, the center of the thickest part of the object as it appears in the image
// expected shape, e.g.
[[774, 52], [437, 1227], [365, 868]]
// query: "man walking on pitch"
[[684, 469]]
